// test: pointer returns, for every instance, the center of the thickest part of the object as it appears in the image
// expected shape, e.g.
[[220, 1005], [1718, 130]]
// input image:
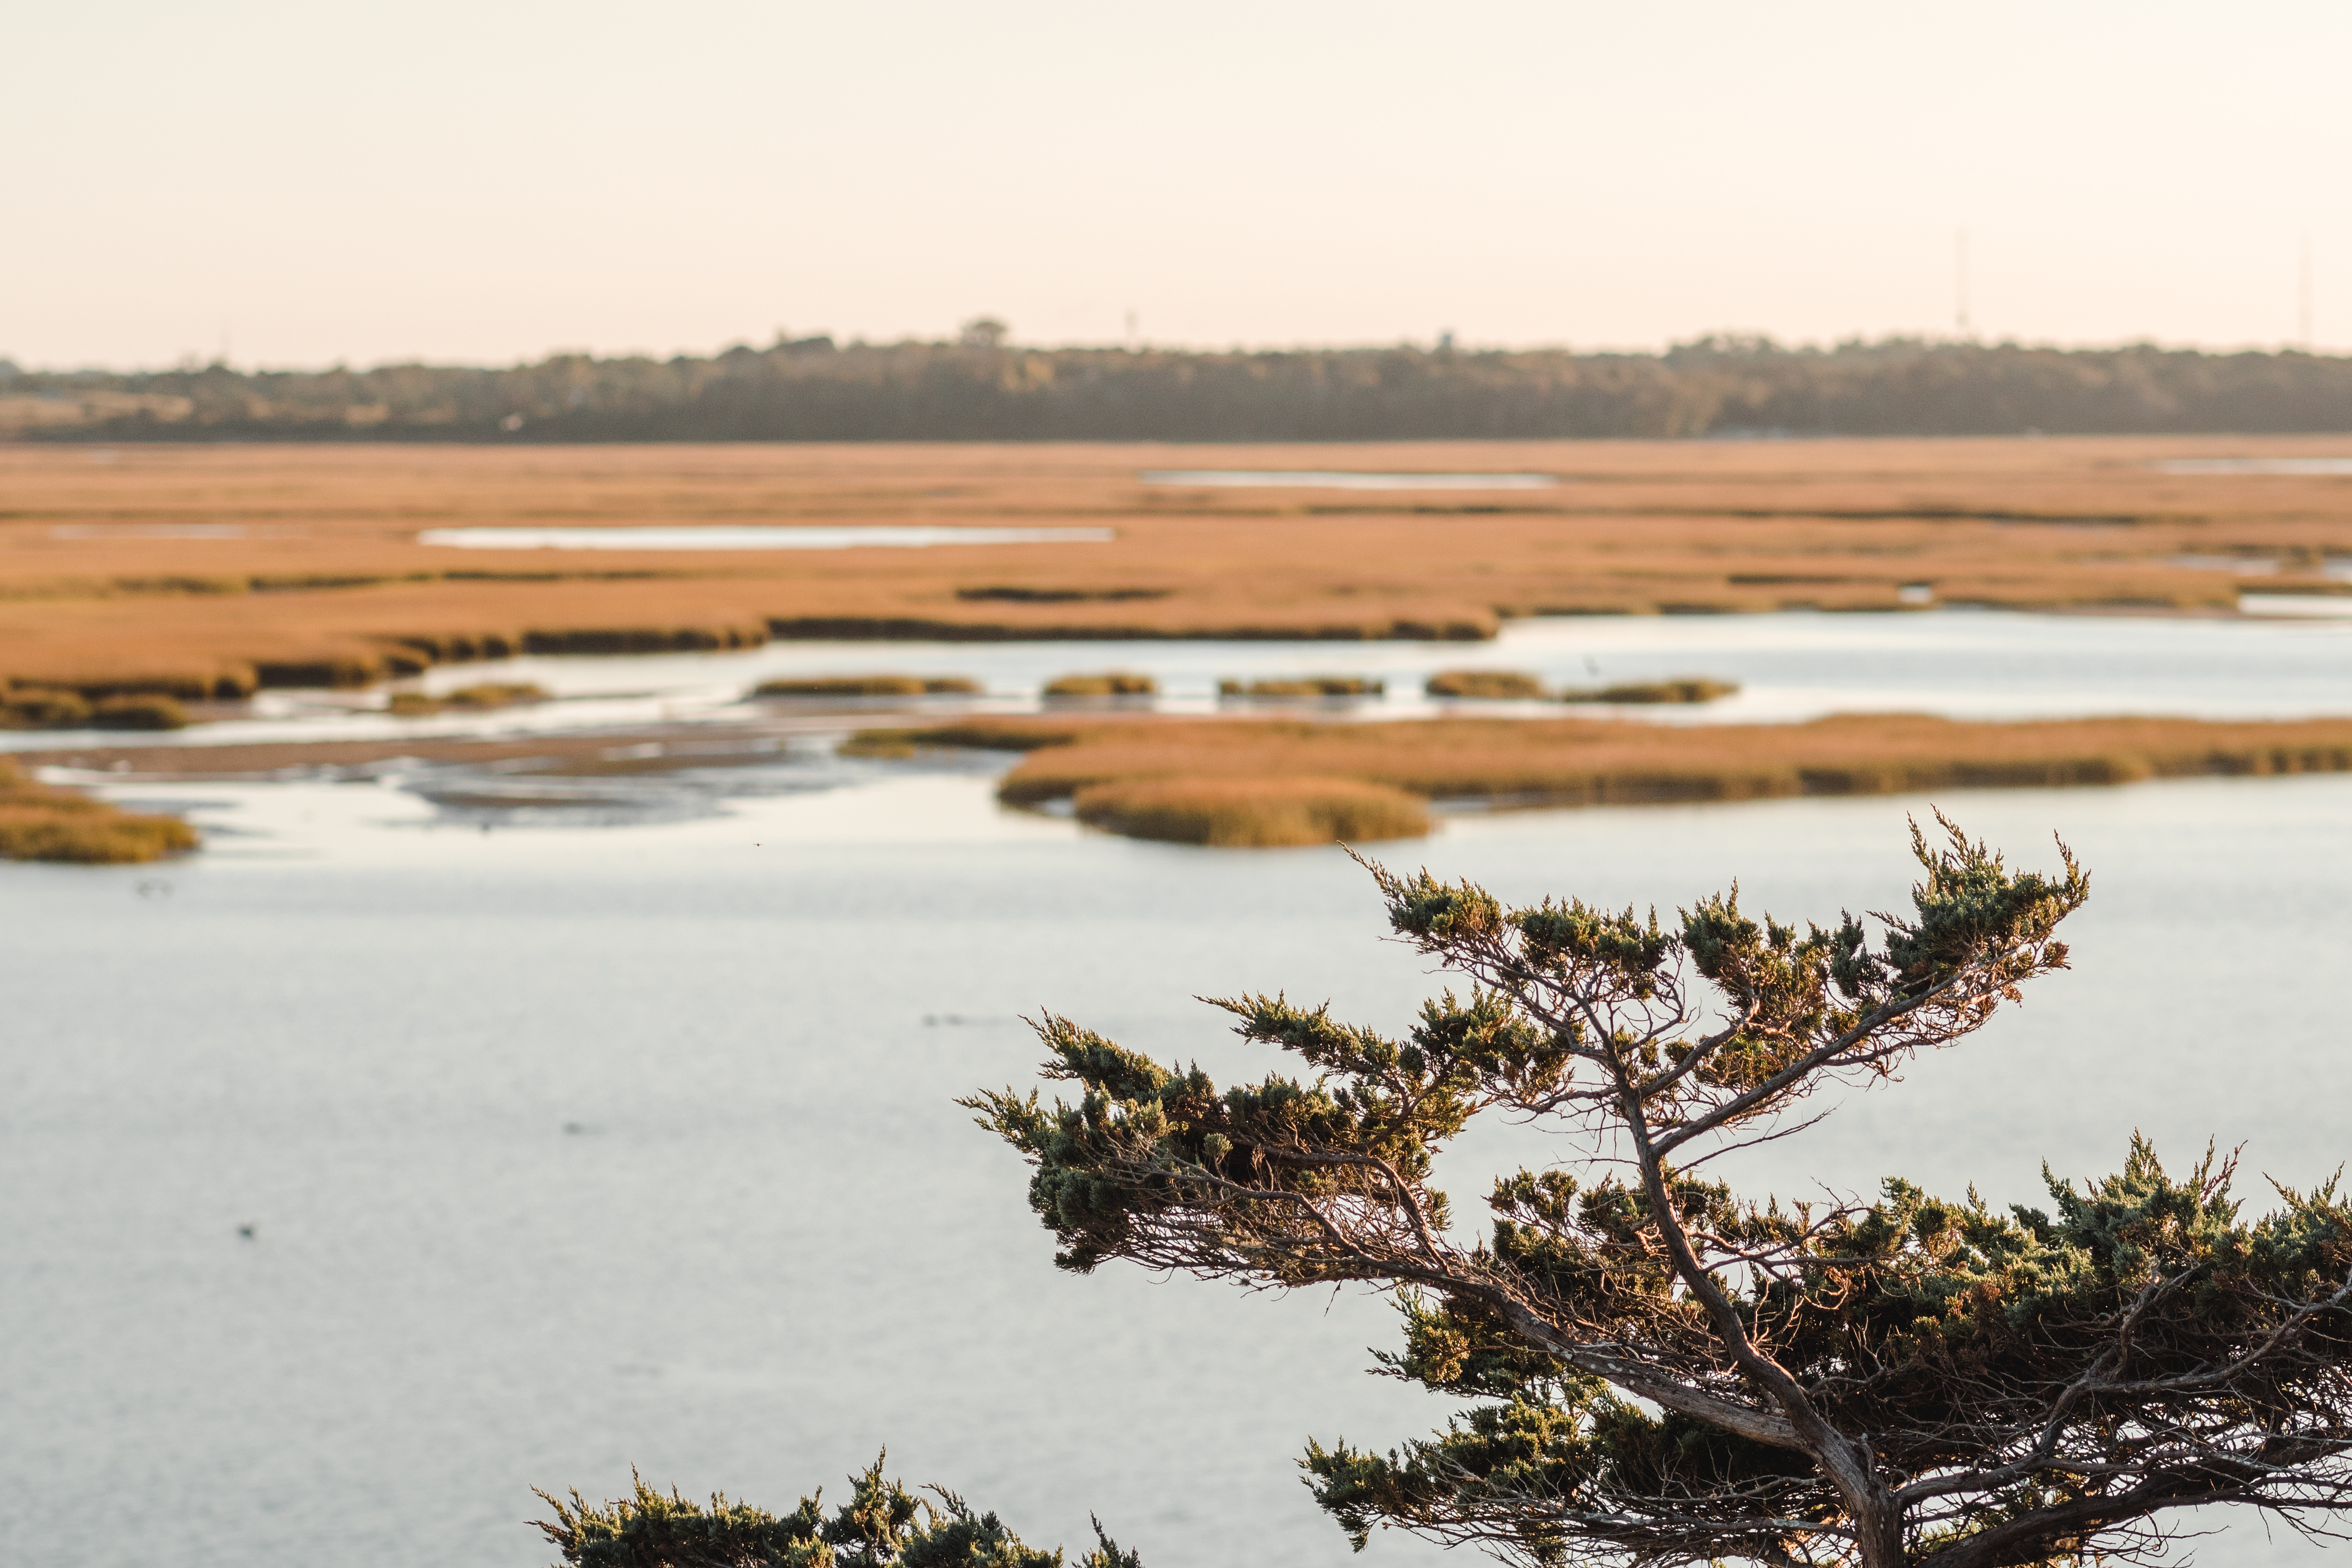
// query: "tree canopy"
[[984, 388], [1658, 1371]]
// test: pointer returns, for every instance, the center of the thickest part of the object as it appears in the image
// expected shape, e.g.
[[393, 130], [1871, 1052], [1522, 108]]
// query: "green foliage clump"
[[883, 1525]]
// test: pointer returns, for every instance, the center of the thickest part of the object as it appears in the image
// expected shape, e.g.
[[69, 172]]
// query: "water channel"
[[567, 1148]]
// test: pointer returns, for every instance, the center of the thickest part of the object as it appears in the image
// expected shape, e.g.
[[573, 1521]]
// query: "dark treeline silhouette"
[[814, 389]]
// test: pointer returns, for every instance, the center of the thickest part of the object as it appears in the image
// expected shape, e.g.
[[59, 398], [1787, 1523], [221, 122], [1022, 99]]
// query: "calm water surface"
[[1961, 664], [569, 1150]]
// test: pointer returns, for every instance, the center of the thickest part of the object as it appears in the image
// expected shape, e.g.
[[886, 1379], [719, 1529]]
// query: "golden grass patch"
[[1483, 686], [199, 572], [39, 707], [41, 823], [485, 697], [1253, 813], [1110, 683], [868, 686], [1679, 689], [1305, 686], [1572, 761]]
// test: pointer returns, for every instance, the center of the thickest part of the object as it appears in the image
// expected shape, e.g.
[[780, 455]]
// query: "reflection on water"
[[569, 1150], [756, 536]]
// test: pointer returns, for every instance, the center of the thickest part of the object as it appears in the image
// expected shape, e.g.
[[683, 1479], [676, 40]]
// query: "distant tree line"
[[812, 389]]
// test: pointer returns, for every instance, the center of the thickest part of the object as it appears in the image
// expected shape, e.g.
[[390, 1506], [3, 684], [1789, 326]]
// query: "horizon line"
[[1733, 340]]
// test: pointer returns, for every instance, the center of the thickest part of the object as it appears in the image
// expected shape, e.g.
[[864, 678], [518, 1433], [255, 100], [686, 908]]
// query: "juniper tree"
[[883, 1525], [1659, 1371]]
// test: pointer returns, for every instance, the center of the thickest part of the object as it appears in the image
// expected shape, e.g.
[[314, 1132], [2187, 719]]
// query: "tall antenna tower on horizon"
[[1960, 282]]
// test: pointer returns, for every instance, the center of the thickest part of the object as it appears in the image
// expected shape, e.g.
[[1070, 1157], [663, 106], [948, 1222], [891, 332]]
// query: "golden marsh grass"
[[37, 707], [1253, 813], [483, 697], [1676, 690], [1304, 687], [1483, 686], [1572, 761], [869, 686], [1110, 683], [41, 823], [201, 572]]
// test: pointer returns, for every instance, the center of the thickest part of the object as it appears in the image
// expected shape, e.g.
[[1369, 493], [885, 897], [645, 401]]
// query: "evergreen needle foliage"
[[1664, 1372], [883, 1525]]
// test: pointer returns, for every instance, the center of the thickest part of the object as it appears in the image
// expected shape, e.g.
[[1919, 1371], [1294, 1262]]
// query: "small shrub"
[[1483, 686], [1678, 689], [1305, 686], [1111, 684], [868, 686], [1255, 813]]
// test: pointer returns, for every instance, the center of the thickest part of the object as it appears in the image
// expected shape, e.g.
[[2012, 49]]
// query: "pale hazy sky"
[[490, 181]]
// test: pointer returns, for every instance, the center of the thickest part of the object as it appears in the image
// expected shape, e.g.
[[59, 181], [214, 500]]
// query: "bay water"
[[569, 1150]]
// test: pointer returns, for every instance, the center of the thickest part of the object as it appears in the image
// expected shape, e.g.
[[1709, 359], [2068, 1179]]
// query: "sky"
[[299, 184]]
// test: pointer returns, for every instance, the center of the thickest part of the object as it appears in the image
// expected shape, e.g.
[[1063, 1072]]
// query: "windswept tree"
[[1660, 1371]]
